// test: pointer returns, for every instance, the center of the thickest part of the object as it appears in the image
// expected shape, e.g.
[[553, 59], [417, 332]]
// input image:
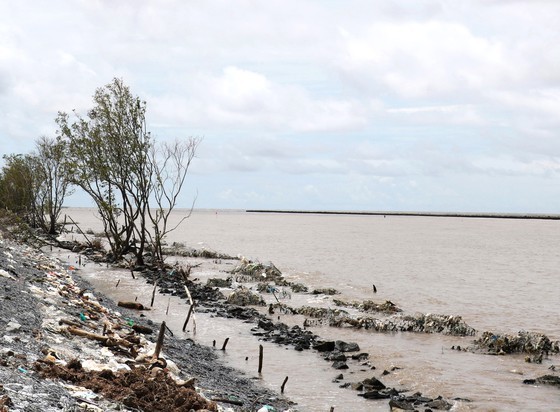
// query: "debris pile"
[[523, 342], [420, 323], [248, 271], [370, 306], [244, 297], [139, 388]]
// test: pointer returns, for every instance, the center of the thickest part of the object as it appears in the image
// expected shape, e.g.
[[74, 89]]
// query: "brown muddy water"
[[500, 275]]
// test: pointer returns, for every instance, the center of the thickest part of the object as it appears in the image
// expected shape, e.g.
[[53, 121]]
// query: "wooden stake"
[[167, 310], [225, 344], [188, 317], [117, 285], [153, 294], [260, 358], [192, 306], [283, 384], [159, 343], [132, 272]]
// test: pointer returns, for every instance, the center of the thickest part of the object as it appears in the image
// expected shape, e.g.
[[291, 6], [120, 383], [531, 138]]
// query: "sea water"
[[500, 275]]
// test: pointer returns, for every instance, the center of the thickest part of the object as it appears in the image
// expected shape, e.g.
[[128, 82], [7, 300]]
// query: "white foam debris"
[[6, 274]]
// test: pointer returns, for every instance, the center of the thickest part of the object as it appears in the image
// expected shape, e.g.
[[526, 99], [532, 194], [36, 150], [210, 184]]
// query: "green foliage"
[[17, 183], [108, 159]]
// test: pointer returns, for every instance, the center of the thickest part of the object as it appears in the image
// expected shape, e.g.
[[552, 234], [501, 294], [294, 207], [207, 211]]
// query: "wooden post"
[[225, 344], [159, 343], [117, 285], [192, 307], [188, 317], [132, 271], [260, 358], [283, 384], [153, 294], [167, 310]]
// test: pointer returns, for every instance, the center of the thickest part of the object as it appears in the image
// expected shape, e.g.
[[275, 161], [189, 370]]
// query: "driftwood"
[[106, 340], [132, 305], [75, 324]]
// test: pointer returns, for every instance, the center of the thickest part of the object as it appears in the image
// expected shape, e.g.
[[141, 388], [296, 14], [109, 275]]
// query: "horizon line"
[[541, 216]]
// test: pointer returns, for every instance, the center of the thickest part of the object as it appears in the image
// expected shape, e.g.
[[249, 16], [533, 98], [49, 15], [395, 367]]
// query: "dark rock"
[[373, 383], [325, 346], [265, 324], [439, 404], [360, 356], [400, 404], [346, 347], [340, 365], [374, 395], [339, 376], [335, 356]]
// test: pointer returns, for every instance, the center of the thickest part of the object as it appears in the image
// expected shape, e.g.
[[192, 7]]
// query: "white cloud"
[[245, 98]]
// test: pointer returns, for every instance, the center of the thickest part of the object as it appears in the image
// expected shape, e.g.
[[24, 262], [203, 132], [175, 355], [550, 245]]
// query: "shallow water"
[[499, 274]]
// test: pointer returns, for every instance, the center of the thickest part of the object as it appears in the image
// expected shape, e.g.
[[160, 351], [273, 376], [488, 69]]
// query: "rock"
[[357, 386], [374, 395], [373, 383], [346, 347], [325, 346], [340, 365], [336, 356], [439, 404], [397, 405], [360, 356]]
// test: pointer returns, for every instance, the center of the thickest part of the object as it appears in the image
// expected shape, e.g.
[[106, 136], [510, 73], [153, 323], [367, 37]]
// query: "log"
[[132, 305], [106, 340]]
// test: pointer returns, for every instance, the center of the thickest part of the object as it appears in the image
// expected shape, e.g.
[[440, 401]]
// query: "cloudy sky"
[[417, 105]]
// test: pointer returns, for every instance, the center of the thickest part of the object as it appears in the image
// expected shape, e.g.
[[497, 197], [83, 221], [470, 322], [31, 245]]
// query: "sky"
[[397, 105]]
